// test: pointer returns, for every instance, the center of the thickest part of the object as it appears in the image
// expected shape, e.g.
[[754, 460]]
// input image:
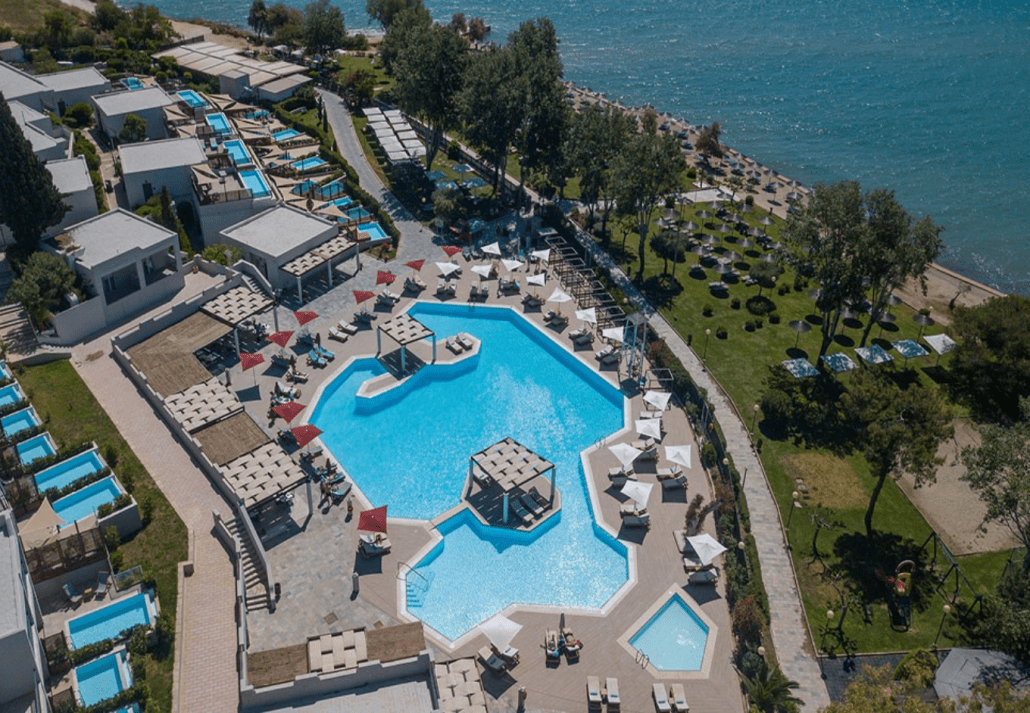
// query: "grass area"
[[349, 65], [73, 415], [27, 15]]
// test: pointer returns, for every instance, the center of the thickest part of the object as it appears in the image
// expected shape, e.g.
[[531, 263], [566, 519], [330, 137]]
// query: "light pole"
[[704, 355], [726, 467], [945, 611], [754, 417], [829, 618], [793, 507]]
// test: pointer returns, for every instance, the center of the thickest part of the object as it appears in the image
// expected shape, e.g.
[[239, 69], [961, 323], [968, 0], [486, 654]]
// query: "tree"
[[43, 283], [708, 141], [429, 71], [134, 129], [222, 254], [58, 28], [991, 364], [285, 23], [648, 168], [386, 11], [999, 471], [29, 202], [458, 22], [324, 29], [408, 25], [257, 18], [80, 113], [359, 87], [765, 273], [492, 106], [107, 15], [769, 690], [899, 429], [478, 29], [670, 245], [596, 137]]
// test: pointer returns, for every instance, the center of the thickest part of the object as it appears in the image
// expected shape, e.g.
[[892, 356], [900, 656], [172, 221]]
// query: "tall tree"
[[899, 430], [134, 129], [429, 71], [648, 169], [386, 11], [708, 141], [492, 106], [998, 470], [257, 18], [44, 281], [29, 202], [324, 29], [409, 24], [596, 137]]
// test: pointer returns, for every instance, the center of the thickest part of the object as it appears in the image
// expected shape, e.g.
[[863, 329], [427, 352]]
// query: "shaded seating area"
[[512, 475], [404, 329], [332, 652]]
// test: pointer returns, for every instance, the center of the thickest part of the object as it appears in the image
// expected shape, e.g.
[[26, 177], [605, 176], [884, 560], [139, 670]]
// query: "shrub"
[[774, 317], [111, 455], [749, 325], [735, 303], [691, 173], [721, 333], [81, 113], [782, 290], [147, 508], [759, 306], [117, 560], [750, 200], [918, 668], [707, 310], [111, 538], [747, 620], [800, 283]]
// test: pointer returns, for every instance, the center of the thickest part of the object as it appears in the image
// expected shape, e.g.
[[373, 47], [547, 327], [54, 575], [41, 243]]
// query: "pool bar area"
[[102, 678], [110, 621], [18, 421], [41, 446], [68, 471]]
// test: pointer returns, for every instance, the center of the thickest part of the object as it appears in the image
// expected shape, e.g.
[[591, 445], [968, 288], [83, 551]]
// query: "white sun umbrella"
[[587, 315], [613, 333], [638, 492], [658, 399], [482, 270], [511, 265], [559, 297], [448, 268], [679, 455], [650, 427], [540, 279], [625, 453], [544, 254], [500, 630], [707, 547], [492, 249]]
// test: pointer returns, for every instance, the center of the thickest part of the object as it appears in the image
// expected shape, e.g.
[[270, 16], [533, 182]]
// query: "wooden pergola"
[[404, 329], [510, 465]]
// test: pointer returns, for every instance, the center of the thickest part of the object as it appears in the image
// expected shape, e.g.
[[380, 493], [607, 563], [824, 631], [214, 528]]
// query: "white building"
[[148, 104], [49, 142], [149, 166], [72, 87], [71, 179], [17, 85]]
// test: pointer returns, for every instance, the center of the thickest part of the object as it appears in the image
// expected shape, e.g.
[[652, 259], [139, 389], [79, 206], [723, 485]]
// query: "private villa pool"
[[375, 232], [19, 420], [41, 446], [68, 471], [238, 153], [358, 213], [219, 123], [675, 637], [523, 385], [111, 620], [5, 373], [340, 203], [132, 83], [192, 99], [11, 394], [83, 503], [102, 678], [256, 183], [306, 164], [285, 135]]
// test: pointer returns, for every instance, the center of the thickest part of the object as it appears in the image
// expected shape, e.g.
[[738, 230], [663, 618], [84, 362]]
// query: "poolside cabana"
[[404, 329], [236, 306], [509, 465]]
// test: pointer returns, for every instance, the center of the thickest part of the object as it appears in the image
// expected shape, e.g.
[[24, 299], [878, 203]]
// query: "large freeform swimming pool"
[[111, 620], [521, 385]]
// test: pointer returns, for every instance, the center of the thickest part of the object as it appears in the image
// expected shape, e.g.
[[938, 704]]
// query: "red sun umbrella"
[[249, 361], [362, 295], [385, 278], [415, 264], [373, 520], [305, 434], [280, 338], [305, 317], [288, 411], [451, 250]]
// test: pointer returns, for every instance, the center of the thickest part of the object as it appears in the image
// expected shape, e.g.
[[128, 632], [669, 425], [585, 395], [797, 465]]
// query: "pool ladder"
[[416, 588], [642, 658]]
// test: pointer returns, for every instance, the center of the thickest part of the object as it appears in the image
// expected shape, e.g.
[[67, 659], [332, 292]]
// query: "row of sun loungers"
[[414, 284], [609, 694], [675, 701], [444, 287], [532, 300], [460, 343]]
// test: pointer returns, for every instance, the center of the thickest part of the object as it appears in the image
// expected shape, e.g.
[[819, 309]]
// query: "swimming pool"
[[259, 114], [331, 190], [132, 83], [111, 620], [254, 181], [306, 164], [192, 99], [35, 448], [339, 202], [83, 503], [238, 153], [5, 373], [219, 123], [68, 471], [358, 213], [285, 135], [521, 385], [11, 394], [102, 678], [375, 232], [19, 420], [675, 638]]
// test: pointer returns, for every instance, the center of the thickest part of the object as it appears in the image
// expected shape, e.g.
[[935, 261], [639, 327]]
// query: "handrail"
[[411, 570]]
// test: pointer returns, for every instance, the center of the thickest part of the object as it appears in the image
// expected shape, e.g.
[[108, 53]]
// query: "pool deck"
[[313, 551]]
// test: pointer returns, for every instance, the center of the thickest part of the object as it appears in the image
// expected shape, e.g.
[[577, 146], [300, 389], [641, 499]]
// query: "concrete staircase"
[[17, 333], [257, 595]]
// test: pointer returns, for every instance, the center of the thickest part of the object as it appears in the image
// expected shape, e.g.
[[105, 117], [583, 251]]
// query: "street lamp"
[[829, 618], [946, 610], [754, 417], [795, 506], [726, 466], [708, 333]]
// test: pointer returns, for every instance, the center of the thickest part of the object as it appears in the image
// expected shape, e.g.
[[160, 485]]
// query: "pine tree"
[[29, 202]]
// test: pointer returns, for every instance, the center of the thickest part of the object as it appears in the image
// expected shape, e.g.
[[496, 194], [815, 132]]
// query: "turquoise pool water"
[[520, 385], [35, 448], [5, 373], [674, 638], [102, 678], [308, 163], [68, 471], [83, 503], [374, 230], [192, 99], [19, 421], [331, 190], [358, 213], [132, 83], [253, 180], [11, 394], [339, 202], [285, 135], [260, 113], [238, 152], [219, 123], [108, 622]]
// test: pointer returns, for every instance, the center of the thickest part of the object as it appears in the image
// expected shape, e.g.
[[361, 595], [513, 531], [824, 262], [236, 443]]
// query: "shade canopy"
[[385, 278], [679, 455], [587, 315], [289, 410], [651, 427], [451, 250], [539, 279], [800, 326], [613, 333], [373, 520], [448, 268], [706, 547], [940, 343], [510, 265], [305, 434], [638, 492], [492, 249], [415, 264], [500, 630], [544, 254], [559, 296], [658, 399], [281, 338], [482, 270], [305, 316], [249, 361], [362, 295], [625, 453]]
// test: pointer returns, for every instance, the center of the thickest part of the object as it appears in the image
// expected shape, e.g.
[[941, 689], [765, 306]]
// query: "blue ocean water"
[[926, 97]]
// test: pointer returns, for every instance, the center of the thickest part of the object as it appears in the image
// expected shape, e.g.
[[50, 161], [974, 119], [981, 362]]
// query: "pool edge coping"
[[705, 671]]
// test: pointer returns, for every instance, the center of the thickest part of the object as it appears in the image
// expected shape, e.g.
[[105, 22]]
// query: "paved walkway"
[[208, 646]]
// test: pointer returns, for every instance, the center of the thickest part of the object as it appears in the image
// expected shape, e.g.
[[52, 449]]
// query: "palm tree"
[[769, 690]]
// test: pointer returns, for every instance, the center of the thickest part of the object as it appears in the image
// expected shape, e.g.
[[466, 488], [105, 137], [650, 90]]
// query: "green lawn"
[[27, 15], [73, 415], [349, 65]]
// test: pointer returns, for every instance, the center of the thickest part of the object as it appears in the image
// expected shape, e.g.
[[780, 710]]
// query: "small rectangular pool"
[[359, 213], [674, 639], [285, 135], [102, 678], [254, 181], [35, 448], [11, 394], [5, 373], [132, 83], [19, 420], [111, 620], [219, 123], [340, 203], [374, 230], [68, 471], [331, 190], [192, 98], [259, 114], [83, 503], [309, 163], [238, 153]]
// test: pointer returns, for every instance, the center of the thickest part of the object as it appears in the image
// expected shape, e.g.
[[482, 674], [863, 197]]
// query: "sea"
[[928, 98]]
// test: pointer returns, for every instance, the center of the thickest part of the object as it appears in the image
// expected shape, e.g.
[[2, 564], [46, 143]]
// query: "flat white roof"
[[15, 83], [71, 175], [115, 233], [284, 84], [158, 155], [12, 586], [24, 114], [74, 79], [117, 103], [280, 229]]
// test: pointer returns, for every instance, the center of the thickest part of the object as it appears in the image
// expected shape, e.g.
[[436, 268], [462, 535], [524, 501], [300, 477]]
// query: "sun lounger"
[[570, 644], [579, 332], [531, 504], [441, 287], [661, 698], [72, 593], [300, 377], [585, 340], [630, 508], [341, 492], [324, 353], [540, 499], [613, 358], [101, 589], [611, 693], [336, 334], [382, 299], [391, 295], [552, 652], [670, 472], [520, 512], [465, 340], [679, 698], [643, 520], [347, 328], [559, 320], [280, 360], [704, 577], [316, 360], [680, 481], [491, 660], [608, 350], [453, 345], [290, 392], [373, 545], [593, 693], [363, 316]]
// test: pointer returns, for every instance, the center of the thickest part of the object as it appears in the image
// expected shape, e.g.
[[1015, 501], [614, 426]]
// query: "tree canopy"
[[257, 17], [386, 11], [493, 106], [596, 137], [324, 29], [44, 281], [134, 129], [708, 141]]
